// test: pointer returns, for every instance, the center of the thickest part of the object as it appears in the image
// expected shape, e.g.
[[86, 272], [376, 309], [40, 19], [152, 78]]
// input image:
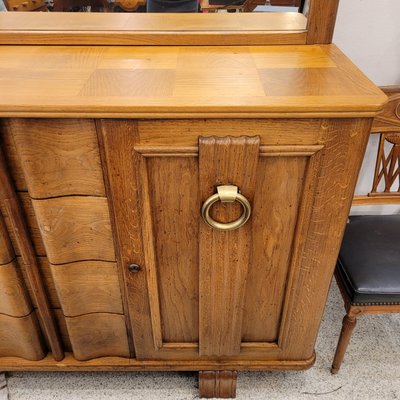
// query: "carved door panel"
[[255, 292]]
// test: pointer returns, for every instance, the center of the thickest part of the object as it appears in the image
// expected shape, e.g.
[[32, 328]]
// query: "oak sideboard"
[[174, 207]]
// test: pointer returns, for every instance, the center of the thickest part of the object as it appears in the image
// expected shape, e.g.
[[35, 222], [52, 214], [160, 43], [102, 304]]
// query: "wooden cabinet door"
[[256, 292]]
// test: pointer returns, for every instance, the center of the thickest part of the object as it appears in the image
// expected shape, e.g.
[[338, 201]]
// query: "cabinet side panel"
[[314, 260]]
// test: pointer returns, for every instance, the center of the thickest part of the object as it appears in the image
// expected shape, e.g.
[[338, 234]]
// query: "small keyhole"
[[134, 268]]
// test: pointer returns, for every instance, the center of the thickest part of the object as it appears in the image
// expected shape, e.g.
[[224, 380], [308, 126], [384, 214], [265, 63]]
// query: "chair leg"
[[349, 322]]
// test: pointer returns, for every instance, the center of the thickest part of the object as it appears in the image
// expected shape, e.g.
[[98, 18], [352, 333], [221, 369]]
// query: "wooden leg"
[[349, 323], [220, 384]]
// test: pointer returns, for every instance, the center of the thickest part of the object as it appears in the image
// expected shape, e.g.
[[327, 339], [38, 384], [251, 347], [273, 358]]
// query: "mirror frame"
[[188, 29]]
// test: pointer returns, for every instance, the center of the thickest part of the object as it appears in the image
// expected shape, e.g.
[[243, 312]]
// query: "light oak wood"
[[11, 204], [78, 85], [48, 282], [75, 228], [25, 203], [342, 138], [272, 235], [224, 257], [287, 124], [177, 267], [388, 120], [154, 29], [217, 384], [11, 155], [87, 287], [58, 157], [21, 337], [14, 301], [98, 335], [387, 123], [6, 249], [321, 20], [125, 364]]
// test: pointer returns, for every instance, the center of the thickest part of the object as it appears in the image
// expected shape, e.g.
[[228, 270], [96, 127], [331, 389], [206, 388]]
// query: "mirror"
[[153, 6]]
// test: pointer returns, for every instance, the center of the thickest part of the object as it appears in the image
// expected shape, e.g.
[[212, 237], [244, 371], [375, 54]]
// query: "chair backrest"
[[385, 188]]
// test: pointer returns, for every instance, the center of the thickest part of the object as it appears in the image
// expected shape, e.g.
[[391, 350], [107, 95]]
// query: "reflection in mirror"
[[153, 6]]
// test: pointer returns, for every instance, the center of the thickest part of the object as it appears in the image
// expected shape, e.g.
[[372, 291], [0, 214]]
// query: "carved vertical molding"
[[217, 384], [224, 255], [11, 204]]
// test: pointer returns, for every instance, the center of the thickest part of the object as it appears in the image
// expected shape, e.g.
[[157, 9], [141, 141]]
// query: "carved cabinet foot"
[[220, 384]]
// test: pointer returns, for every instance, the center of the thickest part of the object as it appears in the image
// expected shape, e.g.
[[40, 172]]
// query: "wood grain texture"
[[47, 278], [340, 161], [11, 155], [279, 191], [58, 157], [6, 250], [126, 364], [75, 228], [154, 29], [87, 287], [175, 218], [117, 138], [14, 300], [217, 384], [321, 21], [98, 335], [224, 256], [158, 134], [388, 120], [117, 81], [10, 202], [149, 252], [21, 337], [25, 203]]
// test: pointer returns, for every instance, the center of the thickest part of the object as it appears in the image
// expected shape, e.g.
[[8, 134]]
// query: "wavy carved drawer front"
[[58, 173], [251, 293], [20, 334]]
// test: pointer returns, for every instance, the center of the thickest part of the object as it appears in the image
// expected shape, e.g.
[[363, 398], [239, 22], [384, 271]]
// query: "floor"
[[371, 371]]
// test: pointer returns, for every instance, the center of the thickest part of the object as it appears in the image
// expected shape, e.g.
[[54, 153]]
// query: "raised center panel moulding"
[[224, 256]]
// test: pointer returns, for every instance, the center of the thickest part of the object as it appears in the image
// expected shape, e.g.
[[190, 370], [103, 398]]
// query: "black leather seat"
[[369, 260]]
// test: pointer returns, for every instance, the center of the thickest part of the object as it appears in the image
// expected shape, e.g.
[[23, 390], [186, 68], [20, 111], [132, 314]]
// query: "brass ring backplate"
[[226, 194]]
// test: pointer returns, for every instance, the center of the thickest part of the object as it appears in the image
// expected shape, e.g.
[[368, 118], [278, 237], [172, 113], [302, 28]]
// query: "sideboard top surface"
[[189, 81]]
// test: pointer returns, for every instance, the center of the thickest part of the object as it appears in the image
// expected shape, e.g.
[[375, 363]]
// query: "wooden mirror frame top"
[[314, 26]]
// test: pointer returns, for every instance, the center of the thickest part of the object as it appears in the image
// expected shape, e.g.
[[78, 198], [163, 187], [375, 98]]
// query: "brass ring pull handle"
[[226, 194]]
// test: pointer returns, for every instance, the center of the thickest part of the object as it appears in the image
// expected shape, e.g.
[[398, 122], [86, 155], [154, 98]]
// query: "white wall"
[[368, 31]]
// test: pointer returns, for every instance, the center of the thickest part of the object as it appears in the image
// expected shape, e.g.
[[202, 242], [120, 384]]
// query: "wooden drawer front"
[[98, 335], [75, 228], [58, 157], [21, 337], [14, 300], [87, 287]]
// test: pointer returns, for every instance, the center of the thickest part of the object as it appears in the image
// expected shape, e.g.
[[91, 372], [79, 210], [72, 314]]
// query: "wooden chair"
[[368, 269]]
